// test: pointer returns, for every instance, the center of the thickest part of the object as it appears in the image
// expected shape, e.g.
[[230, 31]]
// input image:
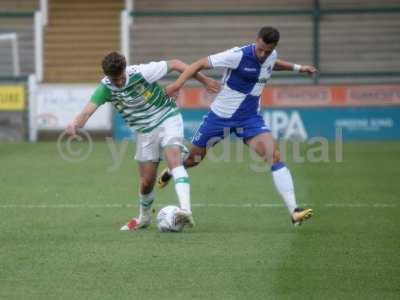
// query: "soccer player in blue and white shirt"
[[236, 109]]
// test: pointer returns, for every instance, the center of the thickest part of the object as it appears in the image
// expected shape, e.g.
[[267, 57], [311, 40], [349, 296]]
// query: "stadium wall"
[[363, 112]]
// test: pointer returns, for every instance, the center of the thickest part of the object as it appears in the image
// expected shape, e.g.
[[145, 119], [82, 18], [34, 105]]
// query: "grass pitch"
[[60, 238]]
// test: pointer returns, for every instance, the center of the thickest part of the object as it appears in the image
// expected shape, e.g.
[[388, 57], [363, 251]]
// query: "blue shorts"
[[214, 128]]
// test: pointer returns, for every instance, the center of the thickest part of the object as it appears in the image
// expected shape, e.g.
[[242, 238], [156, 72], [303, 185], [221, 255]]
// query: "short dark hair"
[[113, 64], [269, 35]]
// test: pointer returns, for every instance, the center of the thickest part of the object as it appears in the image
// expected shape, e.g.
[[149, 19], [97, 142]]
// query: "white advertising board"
[[58, 104]]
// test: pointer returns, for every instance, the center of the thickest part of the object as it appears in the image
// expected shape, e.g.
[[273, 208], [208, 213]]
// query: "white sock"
[[145, 204], [182, 187], [284, 184]]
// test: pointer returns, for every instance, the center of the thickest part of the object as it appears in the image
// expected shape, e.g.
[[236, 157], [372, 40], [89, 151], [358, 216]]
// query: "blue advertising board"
[[357, 123]]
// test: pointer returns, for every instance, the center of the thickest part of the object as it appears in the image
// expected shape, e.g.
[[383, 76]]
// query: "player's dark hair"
[[113, 64], [269, 35]]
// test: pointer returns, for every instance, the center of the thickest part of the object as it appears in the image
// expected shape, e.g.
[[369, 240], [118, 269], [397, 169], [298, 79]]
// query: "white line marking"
[[211, 205], [378, 205]]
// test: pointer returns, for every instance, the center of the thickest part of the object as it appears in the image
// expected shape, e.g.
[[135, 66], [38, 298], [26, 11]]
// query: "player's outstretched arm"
[[189, 72], [81, 119], [179, 66], [282, 65]]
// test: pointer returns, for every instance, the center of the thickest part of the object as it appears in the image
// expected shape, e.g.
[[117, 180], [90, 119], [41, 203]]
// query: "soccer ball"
[[166, 219]]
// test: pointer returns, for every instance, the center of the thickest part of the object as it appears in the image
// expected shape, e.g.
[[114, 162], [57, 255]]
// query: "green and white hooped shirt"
[[142, 102]]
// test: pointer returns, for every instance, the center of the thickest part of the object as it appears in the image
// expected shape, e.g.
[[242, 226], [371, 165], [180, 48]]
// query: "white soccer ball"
[[166, 218]]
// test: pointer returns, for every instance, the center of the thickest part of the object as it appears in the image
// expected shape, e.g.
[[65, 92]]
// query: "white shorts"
[[149, 145]]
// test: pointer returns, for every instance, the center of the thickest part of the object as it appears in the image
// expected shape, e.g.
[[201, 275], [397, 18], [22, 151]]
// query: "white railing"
[[126, 22], [40, 21], [32, 119], [124, 31], [44, 11], [38, 25], [129, 5]]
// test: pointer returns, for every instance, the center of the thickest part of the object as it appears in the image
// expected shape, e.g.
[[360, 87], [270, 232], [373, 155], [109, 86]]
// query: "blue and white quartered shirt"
[[242, 83]]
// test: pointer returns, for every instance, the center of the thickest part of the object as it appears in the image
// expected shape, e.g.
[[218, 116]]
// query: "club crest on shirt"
[[139, 88]]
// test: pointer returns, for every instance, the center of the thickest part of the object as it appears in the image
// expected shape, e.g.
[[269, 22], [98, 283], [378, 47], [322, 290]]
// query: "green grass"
[[58, 252]]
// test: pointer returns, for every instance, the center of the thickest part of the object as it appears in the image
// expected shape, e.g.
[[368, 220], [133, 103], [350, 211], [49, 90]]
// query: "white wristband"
[[296, 68]]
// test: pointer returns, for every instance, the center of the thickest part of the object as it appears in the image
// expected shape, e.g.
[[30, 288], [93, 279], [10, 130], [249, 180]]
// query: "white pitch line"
[[352, 205], [211, 205]]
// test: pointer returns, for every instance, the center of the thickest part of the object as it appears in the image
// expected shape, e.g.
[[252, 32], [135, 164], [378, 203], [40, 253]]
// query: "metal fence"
[[22, 25]]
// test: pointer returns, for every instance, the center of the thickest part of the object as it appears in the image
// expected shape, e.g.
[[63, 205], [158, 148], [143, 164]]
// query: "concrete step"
[[94, 63], [55, 50], [84, 14], [84, 53], [83, 23], [97, 74], [79, 34], [86, 5], [90, 43], [89, 37]]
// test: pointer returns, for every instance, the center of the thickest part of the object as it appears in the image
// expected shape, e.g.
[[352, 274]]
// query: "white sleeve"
[[153, 71], [227, 59]]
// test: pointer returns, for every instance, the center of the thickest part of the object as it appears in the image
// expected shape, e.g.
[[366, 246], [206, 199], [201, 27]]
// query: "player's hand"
[[309, 70], [172, 90], [71, 129], [212, 86]]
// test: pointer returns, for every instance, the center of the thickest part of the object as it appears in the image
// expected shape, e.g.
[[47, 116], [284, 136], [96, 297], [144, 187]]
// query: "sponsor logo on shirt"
[[250, 69]]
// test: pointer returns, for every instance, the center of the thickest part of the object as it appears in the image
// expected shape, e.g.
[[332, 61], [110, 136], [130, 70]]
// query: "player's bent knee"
[[193, 161], [195, 158], [276, 157]]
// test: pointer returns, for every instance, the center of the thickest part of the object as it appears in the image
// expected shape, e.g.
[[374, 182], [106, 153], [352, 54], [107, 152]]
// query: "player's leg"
[[148, 156], [263, 144], [195, 156], [208, 134], [173, 157], [148, 175], [172, 144], [260, 140]]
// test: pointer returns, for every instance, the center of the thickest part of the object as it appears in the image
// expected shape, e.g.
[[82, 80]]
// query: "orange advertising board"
[[307, 96]]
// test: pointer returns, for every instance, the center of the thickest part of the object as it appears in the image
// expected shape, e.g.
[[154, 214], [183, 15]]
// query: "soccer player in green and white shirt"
[[145, 107]]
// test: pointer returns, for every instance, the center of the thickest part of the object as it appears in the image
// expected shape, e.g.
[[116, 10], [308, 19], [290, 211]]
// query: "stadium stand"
[[78, 35], [359, 3], [190, 30], [211, 5], [371, 44], [18, 5], [193, 37]]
